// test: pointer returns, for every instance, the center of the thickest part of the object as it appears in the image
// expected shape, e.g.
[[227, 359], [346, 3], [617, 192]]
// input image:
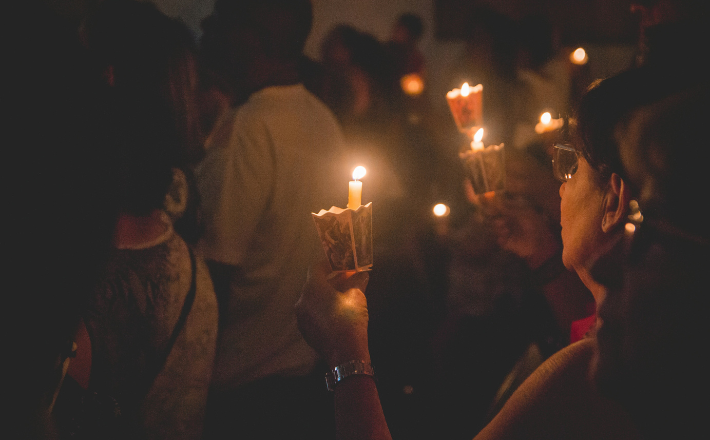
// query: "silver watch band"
[[347, 369]]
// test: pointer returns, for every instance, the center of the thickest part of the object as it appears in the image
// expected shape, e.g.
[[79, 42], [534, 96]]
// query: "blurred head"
[[408, 29], [651, 342], [240, 33], [150, 60], [594, 192]]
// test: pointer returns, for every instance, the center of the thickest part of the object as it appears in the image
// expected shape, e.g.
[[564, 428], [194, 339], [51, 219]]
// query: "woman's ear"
[[615, 203]]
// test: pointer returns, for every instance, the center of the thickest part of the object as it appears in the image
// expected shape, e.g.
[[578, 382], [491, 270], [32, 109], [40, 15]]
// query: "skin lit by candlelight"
[[359, 172], [412, 84], [441, 210], [579, 56], [545, 118]]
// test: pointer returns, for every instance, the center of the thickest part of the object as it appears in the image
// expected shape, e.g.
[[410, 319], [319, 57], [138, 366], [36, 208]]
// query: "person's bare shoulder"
[[559, 401]]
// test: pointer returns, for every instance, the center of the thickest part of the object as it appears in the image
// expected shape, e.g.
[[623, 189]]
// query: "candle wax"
[[355, 194]]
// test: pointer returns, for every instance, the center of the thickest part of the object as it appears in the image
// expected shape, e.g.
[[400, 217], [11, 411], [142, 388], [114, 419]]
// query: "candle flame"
[[465, 89], [579, 56], [545, 118], [478, 136], [359, 172], [441, 210]]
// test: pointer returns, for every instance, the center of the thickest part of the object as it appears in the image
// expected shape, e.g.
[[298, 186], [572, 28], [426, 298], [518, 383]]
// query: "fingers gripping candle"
[[355, 189]]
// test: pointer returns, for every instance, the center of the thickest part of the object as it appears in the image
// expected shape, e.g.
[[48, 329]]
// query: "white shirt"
[[269, 164]]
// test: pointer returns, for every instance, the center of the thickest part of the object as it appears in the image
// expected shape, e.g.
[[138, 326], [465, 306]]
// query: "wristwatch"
[[348, 369]]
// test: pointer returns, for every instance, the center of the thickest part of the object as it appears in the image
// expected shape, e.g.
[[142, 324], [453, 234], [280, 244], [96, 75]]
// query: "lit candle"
[[355, 189], [477, 143], [548, 124], [579, 56], [466, 107]]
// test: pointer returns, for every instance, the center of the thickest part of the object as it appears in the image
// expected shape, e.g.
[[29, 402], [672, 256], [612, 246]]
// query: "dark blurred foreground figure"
[[58, 221], [273, 157], [651, 356], [152, 320]]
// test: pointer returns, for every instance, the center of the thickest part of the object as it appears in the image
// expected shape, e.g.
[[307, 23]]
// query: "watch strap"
[[348, 369]]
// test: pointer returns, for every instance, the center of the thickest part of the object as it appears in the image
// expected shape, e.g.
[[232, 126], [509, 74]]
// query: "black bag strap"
[[161, 358]]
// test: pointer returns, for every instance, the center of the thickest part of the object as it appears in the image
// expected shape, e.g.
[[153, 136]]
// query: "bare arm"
[[334, 322]]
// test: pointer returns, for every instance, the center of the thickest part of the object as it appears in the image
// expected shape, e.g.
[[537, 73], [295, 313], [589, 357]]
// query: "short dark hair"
[[607, 102], [413, 23], [283, 25]]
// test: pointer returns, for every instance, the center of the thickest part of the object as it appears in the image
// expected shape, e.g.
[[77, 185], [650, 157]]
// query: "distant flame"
[[545, 118], [359, 172], [579, 56], [441, 210], [465, 89], [478, 136], [412, 84]]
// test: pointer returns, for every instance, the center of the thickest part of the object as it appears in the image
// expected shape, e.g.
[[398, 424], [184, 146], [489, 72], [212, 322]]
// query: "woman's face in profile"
[[580, 216]]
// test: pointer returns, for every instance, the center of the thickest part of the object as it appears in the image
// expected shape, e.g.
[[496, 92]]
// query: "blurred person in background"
[[274, 156]]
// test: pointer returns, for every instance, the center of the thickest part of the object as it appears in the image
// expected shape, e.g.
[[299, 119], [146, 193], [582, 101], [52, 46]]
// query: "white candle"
[[355, 188], [477, 143]]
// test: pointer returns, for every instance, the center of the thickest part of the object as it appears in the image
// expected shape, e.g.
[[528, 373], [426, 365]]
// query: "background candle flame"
[[545, 118], [359, 172], [478, 136], [441, 210], [579, 56], [465, 89]]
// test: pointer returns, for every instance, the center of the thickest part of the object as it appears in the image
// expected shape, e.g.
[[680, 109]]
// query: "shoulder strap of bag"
[[159, 361]]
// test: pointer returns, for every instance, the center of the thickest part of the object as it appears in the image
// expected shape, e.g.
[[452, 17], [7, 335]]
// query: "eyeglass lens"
[[564, 163]]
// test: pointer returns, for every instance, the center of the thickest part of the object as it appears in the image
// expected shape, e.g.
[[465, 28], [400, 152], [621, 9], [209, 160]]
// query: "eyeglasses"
[[564, 162]]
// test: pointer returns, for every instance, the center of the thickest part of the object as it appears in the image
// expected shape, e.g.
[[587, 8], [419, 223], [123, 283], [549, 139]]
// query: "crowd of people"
[[172, 283]]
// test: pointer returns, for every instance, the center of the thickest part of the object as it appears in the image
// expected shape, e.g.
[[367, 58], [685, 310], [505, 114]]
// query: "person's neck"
[[134, 231], [598, 290], [269, 73]]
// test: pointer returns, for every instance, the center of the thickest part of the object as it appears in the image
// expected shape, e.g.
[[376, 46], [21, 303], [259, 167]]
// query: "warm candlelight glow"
[[477, 143], [465, 89], [630, 228], [547, 123], [579, 56], [359, 172], [441, 210], [412, 84]]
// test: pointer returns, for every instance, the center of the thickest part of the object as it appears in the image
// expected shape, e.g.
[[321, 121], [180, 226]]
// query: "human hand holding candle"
[[355, 188]]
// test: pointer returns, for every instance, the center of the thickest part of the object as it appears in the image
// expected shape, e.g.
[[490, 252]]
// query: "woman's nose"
[[562, 188]]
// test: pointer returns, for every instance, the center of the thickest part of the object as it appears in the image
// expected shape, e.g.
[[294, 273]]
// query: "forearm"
[[358, 412]]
